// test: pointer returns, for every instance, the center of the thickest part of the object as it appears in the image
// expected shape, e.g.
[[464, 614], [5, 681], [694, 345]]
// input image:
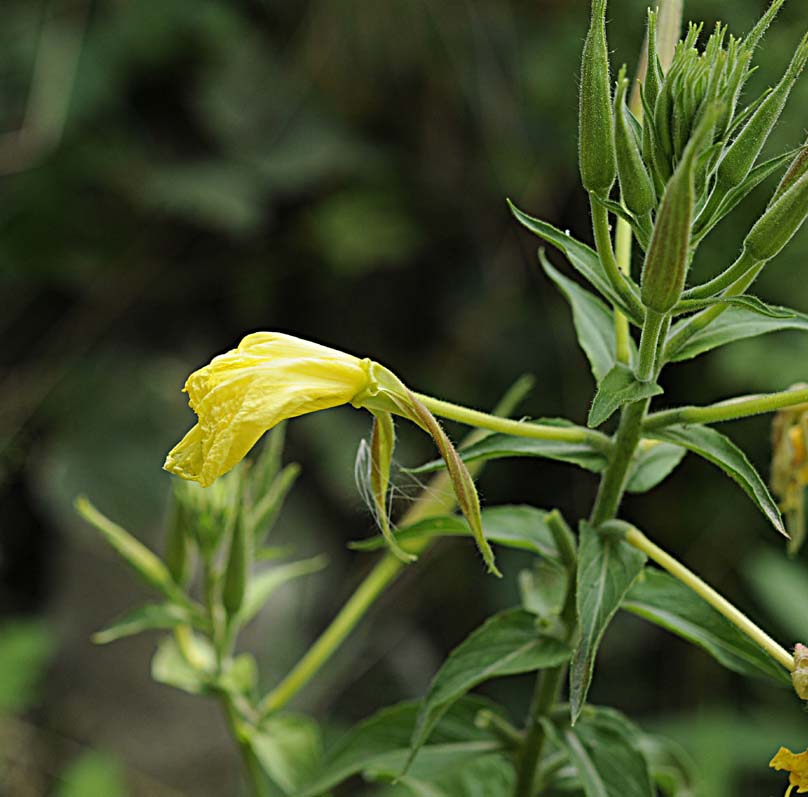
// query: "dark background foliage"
[[176, 174]]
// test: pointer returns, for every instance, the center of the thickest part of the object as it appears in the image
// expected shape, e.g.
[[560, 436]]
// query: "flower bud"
[[741, 155], [239, 561], [595, 125], [668, 256], [776, 227], [176, 553], [797, 168], [636, 187], [800, 675]]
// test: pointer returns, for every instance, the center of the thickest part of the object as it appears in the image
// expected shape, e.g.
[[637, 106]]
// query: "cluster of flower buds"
[[687, 153]]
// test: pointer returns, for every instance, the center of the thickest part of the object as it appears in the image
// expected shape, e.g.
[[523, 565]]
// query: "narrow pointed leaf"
[[618, 387], [381, 743], [736, 323], [721, 451], [751, 303], [593, 320], [607, 566], [582, 258], [661, 599], [151, 617], [652, 465], [521, 527], [506, 644]]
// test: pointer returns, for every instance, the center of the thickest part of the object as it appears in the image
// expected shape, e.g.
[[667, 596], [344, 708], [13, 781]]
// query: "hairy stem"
[[740, 407], [649, 344], [718, 602]]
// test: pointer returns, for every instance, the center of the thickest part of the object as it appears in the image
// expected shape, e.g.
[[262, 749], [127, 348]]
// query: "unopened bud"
[[668, 256], [739, 159], [595, 125], [797, 168], [800, 675], [777, 226], [239, 562], [636, 187]]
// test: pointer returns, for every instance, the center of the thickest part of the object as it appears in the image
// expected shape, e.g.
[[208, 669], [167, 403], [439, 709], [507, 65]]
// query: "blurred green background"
[[176, 174]]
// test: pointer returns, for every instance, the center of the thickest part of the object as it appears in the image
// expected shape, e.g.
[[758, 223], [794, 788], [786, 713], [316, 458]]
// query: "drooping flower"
[[271, 377], [796, 764]]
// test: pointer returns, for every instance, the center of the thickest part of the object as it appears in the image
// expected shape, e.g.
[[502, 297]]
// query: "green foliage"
[[506, 644], [618, 388], [90, 775], [607, 566], [663, 600], [25, 648]]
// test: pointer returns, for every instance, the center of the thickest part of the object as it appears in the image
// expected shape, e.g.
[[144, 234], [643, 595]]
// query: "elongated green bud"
[[798, 167], [239, 561], [668, 256], [636, 187], [595, 125], [739, 159], [754, 36], [176, 554], [777, 226], [653, 71]]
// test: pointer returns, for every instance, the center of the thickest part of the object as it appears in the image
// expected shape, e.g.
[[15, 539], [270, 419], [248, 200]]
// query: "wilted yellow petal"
[[241, 394], [796, 764]]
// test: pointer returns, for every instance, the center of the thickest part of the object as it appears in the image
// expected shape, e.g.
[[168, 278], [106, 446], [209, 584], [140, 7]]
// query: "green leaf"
[[603, 747], [653, 463], [382, 743], [289, 749], [733, 324], [672, 769], [92, 774], [618, 387], [169, 665], [663, 600], [501, 446], [25, 648], [721, 451], [593, 320], [518, 526], [543, 588], [506, 644], [261, 585], [751, 303], [581, 257], [150, 617], [607, 566]]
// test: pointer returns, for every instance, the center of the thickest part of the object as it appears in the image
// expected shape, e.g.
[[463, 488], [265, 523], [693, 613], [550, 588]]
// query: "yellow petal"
[[796, 764], [241, 394]]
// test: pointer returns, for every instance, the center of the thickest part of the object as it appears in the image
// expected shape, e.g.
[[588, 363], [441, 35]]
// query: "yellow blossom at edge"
[[243, 393], [796, 764]]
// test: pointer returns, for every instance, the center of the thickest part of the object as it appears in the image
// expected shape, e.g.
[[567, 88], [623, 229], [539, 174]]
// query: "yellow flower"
[[241, 394], [796, 764]]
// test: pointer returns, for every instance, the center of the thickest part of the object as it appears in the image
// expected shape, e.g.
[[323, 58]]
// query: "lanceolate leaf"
[[518, 526], [721, 451], [663, 600], [499, 446], [150, 617], [752, 303], [607, 566], [618, 387], [604, 748], [288, 748], [581, 257], [506, 644], [653, 463], [381, 743], [735, 323], [593, 320]]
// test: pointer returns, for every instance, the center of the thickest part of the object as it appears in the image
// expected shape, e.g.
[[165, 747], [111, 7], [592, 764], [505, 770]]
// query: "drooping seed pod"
[[800, 675], [741, 155], [668, 256], [595, 124], [636, 187], [777, 226]]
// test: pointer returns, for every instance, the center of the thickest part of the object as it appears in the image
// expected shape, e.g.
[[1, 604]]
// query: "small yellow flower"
[[241, 394], [796, 764]]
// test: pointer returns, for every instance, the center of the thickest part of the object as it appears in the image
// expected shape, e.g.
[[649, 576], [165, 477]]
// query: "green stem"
[[494, 423], [718, 602], [622, 240], [613, 481], [724, 280], [706, 317], [255, 773], [649, 344], [741, 407], [603, 243]]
